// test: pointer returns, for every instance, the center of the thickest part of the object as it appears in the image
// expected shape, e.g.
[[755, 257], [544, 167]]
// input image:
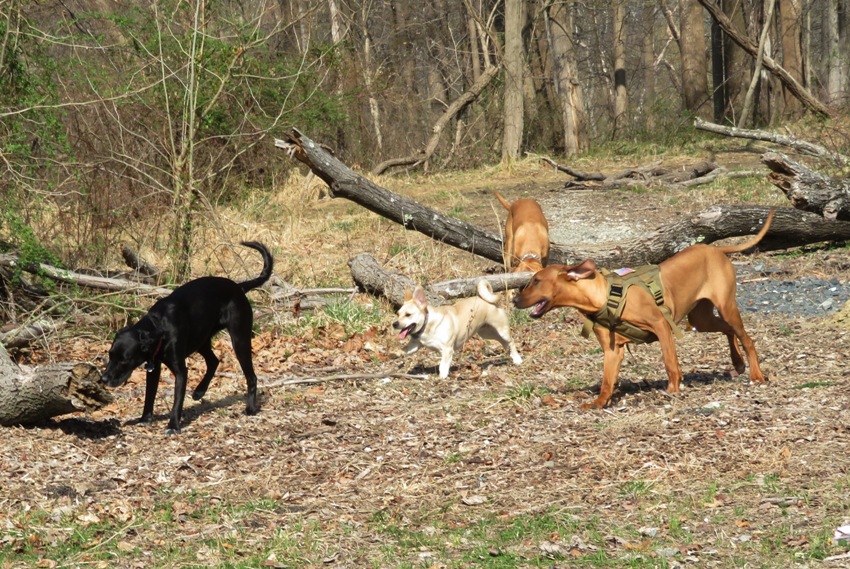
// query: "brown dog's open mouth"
[[403, 334], [539, 309]]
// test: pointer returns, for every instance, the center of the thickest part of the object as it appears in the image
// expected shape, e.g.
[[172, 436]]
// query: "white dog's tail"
[[485, 291]]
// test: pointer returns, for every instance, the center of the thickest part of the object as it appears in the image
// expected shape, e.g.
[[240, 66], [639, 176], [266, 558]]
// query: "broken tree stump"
[[808, 190], [32, 395]]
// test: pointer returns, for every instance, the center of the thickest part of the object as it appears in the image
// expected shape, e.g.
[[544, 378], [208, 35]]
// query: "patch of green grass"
[[525, 392], [635, 488], [813, 384], [353, 316]]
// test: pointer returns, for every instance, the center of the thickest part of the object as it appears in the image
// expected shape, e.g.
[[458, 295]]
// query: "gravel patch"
[[812, 297]]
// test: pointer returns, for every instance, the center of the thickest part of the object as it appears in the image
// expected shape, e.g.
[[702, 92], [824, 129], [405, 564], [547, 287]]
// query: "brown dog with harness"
[[691, 283]]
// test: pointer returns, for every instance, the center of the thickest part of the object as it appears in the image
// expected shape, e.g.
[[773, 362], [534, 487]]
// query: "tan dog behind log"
[[695, 282], [526, 245]]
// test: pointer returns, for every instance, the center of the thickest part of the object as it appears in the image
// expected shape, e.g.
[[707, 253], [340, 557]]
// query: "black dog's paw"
[[197, 395], [171, 431], [252, 410]]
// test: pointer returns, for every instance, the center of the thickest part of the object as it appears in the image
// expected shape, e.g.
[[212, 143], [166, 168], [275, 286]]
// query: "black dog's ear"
[[148, 339]]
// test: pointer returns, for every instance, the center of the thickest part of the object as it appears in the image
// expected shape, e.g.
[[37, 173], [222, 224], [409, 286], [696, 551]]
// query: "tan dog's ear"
[[419, 296], [584, 270], [407, 294]]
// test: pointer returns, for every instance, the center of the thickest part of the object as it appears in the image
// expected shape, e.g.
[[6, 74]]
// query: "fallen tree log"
[[802, 146], [370, 276], [790, 227], [33, 395], [81, 279], [20, 336], [643, 176], [808, 190]]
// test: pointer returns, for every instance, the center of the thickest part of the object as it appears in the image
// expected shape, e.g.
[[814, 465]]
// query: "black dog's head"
[[133, 346]]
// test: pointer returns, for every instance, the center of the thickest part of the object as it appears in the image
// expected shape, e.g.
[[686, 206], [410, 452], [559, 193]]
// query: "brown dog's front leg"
[[613, 358]]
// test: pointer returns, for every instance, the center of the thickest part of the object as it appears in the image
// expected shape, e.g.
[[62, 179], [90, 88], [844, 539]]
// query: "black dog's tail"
[[268, 265]]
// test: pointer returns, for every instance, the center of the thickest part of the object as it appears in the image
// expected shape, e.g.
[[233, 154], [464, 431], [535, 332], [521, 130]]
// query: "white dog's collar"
[[418, 333]]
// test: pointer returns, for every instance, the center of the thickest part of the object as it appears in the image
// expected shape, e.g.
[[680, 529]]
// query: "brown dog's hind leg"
[[703, 319], [729, 312]]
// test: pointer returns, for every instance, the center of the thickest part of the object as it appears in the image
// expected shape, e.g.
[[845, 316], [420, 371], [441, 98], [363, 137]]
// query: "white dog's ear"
[[419, 296], [407, 294]]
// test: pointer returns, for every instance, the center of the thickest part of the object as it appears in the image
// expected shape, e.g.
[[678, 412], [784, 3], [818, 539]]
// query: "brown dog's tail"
[[485, 291], [752, 242], [268, 265], [505, 203]]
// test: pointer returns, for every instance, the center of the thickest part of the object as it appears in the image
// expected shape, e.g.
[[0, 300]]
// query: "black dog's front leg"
[[151, 385], [180, 377]]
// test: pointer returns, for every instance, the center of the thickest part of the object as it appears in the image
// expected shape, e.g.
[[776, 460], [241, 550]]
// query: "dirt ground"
[[364, 458]]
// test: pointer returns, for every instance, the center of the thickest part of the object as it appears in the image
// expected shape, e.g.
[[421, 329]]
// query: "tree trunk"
[[621, 95], [513, 100], [747, 112], [29, 397], [694, 63], [790, 227], [567, 84], [807, 190], [790, 36]]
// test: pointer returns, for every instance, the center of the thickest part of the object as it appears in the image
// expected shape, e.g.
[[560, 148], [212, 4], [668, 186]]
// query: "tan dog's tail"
[[752, 242], [485, 291], [505, 203]]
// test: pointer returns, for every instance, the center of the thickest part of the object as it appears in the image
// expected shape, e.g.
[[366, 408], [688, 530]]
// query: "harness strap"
[[610, 315]]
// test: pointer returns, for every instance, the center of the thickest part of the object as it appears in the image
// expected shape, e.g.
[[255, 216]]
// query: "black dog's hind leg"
[[212, 365], [240, 336]]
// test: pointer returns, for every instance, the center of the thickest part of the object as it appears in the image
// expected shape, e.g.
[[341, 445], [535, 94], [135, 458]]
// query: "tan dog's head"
[[530, 263], [560, 285], [412, 314]]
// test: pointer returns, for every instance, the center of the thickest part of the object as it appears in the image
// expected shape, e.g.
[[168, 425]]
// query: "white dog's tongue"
[[403, 334]]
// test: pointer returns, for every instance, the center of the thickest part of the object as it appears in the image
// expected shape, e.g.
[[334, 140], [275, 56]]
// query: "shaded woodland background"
[[130, 124]]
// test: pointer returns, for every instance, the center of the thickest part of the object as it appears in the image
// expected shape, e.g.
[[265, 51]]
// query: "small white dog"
[[446, 328]]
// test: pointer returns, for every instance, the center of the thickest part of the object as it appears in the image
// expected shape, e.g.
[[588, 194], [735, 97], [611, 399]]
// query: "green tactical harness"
[[608, 316]]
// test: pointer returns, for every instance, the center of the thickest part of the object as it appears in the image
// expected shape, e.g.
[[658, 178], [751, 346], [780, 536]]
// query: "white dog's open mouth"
[[403, 334], [539, 309]]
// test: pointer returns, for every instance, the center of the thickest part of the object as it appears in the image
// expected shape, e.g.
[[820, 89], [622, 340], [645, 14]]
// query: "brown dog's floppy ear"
[[584, 270]]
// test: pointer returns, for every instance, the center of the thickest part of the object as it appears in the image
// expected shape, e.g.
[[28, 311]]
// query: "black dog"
[[181, 324]]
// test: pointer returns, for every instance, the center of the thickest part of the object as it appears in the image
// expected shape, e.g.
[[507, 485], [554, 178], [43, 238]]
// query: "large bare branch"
[[800, 92], [790, 227], [437, 130]]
